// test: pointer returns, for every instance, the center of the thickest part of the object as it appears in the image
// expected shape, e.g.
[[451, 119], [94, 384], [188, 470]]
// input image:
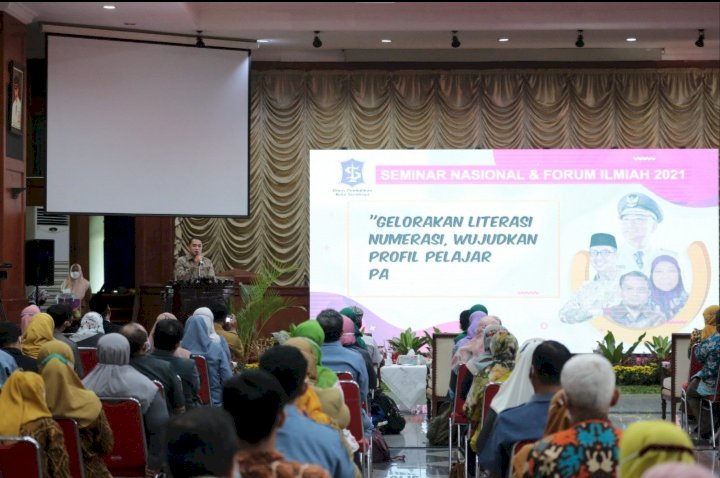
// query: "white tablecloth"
[[407, 383]]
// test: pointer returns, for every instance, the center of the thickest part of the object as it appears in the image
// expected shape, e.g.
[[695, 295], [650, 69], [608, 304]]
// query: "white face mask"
[[74, 274]]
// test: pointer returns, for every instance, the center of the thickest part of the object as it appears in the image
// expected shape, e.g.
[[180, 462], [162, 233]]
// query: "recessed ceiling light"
[[109, 7], [503, 40], [631, 39], [263, 41], [129, 24], [386, 41]]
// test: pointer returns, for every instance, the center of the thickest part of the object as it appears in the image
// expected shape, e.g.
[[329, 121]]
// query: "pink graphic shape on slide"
[[382, 330]]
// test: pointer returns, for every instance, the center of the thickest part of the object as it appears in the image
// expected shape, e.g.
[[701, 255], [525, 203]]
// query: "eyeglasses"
[[601, 253]]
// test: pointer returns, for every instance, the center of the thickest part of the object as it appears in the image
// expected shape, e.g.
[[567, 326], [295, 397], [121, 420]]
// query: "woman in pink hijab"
[[347, 339], [79, 287], [475, 345], [179, 352], [26, 315]]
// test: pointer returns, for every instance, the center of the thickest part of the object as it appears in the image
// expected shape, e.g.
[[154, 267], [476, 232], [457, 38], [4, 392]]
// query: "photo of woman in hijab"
[[668, 292]]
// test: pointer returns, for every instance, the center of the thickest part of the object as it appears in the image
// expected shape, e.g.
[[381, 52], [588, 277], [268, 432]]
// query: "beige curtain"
[[296, 111]]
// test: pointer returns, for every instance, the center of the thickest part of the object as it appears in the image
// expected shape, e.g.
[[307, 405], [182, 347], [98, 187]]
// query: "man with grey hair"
[[589, 448]]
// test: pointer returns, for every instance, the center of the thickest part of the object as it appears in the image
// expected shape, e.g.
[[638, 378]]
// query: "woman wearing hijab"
[[114, 377], [472, 330], [312, 331], [179, 352], [475, 344], [503, 348], [197, 340], [698, 335], [677, 470], [39, 332], [515, 391], [348, 340], [26, 316], [208, 318], [25, 412], [90, 332], [649, 443], [68, 398], [668, 292], [558, 420], [78, 286]]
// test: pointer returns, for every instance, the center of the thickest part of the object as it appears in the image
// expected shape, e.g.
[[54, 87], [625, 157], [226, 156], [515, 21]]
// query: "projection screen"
[[146, 129], [562, 244]]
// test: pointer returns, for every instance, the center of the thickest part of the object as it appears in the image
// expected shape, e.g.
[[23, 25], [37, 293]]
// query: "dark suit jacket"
[[188, 373]]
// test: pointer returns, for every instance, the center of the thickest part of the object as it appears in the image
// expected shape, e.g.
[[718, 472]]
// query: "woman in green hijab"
[[312, 331], [649, 443]]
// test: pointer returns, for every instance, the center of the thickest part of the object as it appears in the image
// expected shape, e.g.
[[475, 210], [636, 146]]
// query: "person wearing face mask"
[[79, 287]]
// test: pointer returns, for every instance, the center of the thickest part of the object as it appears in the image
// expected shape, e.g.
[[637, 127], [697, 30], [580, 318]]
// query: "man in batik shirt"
[[589, 448]]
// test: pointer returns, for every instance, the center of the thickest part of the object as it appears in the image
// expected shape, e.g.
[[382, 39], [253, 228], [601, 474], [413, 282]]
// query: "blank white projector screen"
[[146, 129], [560, 244]]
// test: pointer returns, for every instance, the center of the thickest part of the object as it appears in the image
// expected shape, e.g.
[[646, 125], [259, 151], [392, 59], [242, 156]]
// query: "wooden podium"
[[184, 297]]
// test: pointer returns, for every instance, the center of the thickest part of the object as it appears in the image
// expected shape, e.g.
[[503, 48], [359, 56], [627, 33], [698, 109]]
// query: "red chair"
[[695, 367], [129, 454], [204, 391], [491, 389], [88, 357], [351, 390], [457, 416], [20, 458], [71, 433], [345, 376]]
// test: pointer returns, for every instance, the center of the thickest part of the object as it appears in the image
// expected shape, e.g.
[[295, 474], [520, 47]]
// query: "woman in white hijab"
[[208, 318], [90, 331], [114, 377]]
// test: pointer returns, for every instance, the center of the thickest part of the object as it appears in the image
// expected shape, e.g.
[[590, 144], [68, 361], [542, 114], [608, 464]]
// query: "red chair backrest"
[[457, 414], [88, 357], [20, 458], [71, 433], [204, 391], [345, 376], [129, 453], [491, 389], [517, 446], [351, 390], [695, 365]]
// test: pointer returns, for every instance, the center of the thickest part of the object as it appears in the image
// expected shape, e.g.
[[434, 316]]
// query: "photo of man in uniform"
[[16, 106], [634, 309]]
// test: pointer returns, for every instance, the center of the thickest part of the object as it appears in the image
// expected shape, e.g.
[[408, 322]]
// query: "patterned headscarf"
[[90, 325], [648, 443]]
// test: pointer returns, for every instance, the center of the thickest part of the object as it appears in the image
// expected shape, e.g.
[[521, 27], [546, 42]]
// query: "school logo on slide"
[[352, 172]]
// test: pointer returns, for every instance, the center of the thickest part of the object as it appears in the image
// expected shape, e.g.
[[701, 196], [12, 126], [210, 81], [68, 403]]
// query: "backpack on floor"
[[384, 409]]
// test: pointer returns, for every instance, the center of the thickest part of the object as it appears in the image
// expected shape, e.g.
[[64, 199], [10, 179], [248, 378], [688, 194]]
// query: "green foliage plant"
[[407, 340], [259, 303], [615, 352], [660, 348]]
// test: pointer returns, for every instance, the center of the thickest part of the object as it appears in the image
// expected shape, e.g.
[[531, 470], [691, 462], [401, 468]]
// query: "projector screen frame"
[[142, 38]]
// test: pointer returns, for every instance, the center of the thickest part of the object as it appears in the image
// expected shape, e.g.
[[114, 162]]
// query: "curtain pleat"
[[293, 112]]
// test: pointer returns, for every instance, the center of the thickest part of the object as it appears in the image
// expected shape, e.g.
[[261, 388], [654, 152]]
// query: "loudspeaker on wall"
[[40, 262]]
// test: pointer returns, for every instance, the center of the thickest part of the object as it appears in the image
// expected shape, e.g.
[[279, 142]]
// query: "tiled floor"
[[420, 461]]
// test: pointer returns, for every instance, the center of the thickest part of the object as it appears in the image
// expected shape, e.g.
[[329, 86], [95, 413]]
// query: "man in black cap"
[[634, 309], [639, 218], [601, 292]]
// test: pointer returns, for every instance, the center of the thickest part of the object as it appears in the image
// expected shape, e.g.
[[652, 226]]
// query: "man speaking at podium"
[[194, 265]]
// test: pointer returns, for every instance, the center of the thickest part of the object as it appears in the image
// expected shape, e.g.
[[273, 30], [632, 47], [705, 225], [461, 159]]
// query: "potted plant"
[[407, 341], [259, 303]]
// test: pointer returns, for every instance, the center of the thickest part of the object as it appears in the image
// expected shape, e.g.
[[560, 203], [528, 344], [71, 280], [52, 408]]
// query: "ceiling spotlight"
[[580, 42], [387, 40], [631, 39], [317, 43], [199, 43], [455, 43], [701, 39], [503, 40]]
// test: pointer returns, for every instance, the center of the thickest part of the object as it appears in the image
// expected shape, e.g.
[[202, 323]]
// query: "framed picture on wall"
[[17, 92]]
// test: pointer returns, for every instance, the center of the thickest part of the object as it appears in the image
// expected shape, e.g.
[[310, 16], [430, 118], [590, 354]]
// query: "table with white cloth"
[[407, 383]]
